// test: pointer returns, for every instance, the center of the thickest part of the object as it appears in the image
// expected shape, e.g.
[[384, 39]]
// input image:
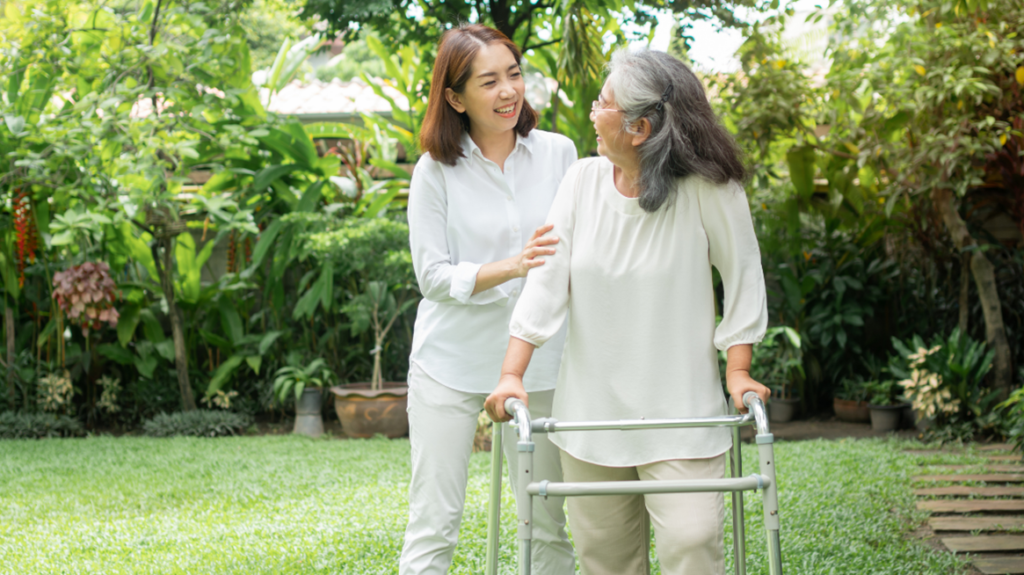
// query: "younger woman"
[[476, 197]]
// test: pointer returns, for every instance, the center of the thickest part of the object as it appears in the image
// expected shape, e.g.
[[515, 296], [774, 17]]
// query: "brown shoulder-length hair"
[[443, 126]]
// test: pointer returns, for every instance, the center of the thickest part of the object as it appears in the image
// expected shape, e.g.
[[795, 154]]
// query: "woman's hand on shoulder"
[[739, 382], [539, 245], [508, 386]]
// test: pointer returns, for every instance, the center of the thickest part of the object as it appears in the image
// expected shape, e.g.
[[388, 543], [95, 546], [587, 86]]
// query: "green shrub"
[[199, 423], [37, 425]]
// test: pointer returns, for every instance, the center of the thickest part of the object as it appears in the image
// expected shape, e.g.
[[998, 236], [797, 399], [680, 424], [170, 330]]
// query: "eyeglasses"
[[595, 107]]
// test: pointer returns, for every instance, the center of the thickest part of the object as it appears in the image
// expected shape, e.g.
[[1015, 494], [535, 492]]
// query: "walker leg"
[[494, 510], [771, 504], [739, 543], [524, 505]]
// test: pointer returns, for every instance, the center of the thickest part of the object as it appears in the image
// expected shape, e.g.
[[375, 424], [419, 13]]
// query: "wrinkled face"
[[612, 141], [493, 95]]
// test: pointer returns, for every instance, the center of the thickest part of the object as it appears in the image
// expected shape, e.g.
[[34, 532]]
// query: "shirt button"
[[515, 293], [515, 228]]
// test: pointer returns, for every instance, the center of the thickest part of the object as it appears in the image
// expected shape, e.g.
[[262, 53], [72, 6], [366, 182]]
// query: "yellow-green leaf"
[[920, 69], [1020, 75], [1002, 140]]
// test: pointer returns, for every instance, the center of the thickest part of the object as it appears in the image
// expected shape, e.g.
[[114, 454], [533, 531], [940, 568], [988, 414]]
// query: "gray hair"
[[686, 137]]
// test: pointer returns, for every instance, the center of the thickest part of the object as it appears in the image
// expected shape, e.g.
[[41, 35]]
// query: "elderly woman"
[[639, 230]]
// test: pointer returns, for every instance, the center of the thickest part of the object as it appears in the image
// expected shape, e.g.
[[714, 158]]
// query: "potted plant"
[[850, 402], [885, 403], [307, 384], [778, 363], [372, 256]]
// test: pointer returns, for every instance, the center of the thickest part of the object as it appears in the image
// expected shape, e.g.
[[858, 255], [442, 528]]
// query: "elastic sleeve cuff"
[[463, 283], [725, 341]]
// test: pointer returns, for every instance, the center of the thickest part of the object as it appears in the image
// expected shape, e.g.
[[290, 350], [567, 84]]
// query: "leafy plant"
[[294, 379], [86, 293], [945, 379], [883, 392], [778, 362], [852, 389], [37, 425], [374, 256], [197, 423]]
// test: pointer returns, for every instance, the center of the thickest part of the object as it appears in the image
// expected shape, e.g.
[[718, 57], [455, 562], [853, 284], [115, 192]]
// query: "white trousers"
[[442, 422], [612, 532]]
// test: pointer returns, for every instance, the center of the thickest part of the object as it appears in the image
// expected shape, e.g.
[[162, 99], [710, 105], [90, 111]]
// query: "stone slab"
[[993, 523], [996, 447], [984, 543], [986, 469], [999, 565], [966, 491], [971, 505], [992, 477]]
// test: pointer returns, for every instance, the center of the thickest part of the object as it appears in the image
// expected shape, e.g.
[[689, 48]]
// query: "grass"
[[293, 505]]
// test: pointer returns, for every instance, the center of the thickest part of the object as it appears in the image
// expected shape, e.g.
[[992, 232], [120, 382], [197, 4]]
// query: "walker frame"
[[735, 484]]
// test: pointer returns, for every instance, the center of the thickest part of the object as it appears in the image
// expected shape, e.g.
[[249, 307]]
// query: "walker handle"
[[521, 415], [756, 406]]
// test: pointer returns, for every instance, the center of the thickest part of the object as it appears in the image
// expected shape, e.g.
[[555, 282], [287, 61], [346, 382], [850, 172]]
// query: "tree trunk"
[[188, 402], [163, 267], [9, 328], [985, 280], [965, 291]]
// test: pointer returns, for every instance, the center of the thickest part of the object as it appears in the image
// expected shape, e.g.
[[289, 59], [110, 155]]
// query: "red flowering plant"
[[25, 230], [86, 293]]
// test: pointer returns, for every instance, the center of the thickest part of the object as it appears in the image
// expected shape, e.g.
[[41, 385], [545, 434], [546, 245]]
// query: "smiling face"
[[614, 142], [493, 95]]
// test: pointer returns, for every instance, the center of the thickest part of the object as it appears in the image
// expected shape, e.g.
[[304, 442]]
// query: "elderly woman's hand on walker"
[[737, 376], [511, 383]]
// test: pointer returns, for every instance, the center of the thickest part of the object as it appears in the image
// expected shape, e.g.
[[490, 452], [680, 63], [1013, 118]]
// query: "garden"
[[185, 273]]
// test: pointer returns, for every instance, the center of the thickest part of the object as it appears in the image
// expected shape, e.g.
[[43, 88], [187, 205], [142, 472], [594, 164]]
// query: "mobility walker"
[[736, 484]]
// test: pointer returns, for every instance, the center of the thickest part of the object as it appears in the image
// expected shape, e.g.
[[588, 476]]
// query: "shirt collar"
[[470, 147]]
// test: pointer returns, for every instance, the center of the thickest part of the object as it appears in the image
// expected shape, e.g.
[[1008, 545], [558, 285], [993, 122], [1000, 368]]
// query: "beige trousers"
[[442, 422], [612, 532]]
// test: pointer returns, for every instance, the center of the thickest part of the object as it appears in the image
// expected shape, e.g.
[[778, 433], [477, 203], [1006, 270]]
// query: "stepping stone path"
[[977, 509]]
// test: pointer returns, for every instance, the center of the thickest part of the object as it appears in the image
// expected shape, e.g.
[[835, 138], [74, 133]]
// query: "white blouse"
[[638, 291], [465, 216]]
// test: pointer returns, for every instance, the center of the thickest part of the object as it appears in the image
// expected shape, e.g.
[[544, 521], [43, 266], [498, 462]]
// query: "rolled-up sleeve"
[[439, 280], [541, 310], [733, 248]]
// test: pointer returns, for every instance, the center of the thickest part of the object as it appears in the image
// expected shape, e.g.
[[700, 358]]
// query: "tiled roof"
[[334, 97], [311, 97]]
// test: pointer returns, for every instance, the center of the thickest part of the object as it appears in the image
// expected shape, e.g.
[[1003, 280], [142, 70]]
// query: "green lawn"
[[293, 505]]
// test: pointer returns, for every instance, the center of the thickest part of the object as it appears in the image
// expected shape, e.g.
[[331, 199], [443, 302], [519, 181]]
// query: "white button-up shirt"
[[460, 218]]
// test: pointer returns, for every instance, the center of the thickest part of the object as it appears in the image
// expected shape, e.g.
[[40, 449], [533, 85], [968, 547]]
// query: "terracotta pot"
[[365, 413], [852, 411], [308, 419], [783, 410], [886, 417]]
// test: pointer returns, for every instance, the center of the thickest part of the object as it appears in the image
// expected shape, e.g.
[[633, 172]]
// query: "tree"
[[949, 120], [921, 110], [111, 105]]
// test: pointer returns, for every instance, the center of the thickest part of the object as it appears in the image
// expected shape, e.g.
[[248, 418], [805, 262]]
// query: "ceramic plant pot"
[[886, 417], [851, 411], [365, 413], [783, 410], [308, 418]]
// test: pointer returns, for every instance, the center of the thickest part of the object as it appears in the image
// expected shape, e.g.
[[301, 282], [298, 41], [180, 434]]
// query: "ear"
[[454, 100], [643, 131]]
